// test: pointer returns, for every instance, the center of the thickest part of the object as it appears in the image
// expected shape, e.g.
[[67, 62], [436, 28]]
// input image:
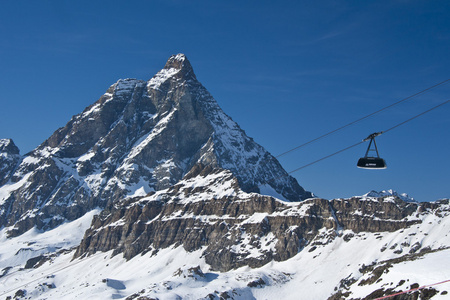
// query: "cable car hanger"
[[372, 162], [369, 137]]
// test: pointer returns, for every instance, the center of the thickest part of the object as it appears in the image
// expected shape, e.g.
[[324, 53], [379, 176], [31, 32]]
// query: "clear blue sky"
[[286, 71]]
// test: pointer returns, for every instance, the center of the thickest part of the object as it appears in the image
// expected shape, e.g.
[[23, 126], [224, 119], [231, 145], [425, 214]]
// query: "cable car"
[[372, 162]]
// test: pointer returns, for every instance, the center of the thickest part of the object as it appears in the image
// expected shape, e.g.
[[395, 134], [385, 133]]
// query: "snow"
[[4, 143], [390, 194], [144, 141], [255, 218], [161, 77], [211, 186], [7, 189], [139, 189], [94, 181], [16, 251], [266, 189], [433, 268], [95, 108], [86, 156], [125, 86]]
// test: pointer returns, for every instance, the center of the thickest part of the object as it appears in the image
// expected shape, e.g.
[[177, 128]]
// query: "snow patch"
[[266, 189]]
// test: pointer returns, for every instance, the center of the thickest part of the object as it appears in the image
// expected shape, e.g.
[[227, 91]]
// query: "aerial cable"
[[354, 145], [422, 113], [325, 157], [412, 290], [365, 117]]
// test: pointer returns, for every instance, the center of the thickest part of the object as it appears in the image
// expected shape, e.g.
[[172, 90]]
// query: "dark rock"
[[20, 294], [256, 283], [9, 159], [35, 261], [378, 215]]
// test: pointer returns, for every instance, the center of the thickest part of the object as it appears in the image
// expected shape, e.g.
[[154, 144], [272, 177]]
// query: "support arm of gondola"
[[372, 136]]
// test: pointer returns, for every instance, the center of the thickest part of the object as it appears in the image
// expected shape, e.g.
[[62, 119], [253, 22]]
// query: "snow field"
[[312, 274]]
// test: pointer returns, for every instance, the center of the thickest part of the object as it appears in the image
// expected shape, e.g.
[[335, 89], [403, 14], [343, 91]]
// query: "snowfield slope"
[[335, 263]]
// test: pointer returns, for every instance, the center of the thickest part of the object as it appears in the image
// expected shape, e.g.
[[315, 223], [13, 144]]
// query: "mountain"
[[355, 248], [139, 137], [153, 192], [389, 193]]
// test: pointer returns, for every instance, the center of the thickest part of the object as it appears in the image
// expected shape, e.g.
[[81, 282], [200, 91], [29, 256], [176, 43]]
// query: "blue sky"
[[286, 71]]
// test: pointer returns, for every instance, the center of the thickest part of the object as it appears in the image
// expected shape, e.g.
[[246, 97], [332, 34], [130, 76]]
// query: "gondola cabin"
[[371, 162]]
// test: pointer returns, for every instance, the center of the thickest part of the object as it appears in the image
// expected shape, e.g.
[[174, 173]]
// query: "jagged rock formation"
[[139, 137], [208, 210], [9, 158]]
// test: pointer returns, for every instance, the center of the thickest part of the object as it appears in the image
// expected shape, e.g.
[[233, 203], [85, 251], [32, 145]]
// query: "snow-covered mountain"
[[389, 193], [153, 192], [139, 137], [315, 249]]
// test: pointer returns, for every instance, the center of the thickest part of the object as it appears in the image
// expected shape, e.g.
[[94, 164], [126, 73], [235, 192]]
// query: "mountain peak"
[[8, 146], [139, 137], [176, 61], [389, 193], [177, 66], [179, 62]]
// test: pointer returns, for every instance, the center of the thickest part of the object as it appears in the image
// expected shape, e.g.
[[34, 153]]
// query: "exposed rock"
[[237, 228], [35, 261], [208, 210], [9, 159], [375, 215]]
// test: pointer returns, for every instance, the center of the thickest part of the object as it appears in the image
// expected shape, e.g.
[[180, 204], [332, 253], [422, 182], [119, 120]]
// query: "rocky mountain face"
[[139, 137], [205, 238], [9, 158], [208, 211]]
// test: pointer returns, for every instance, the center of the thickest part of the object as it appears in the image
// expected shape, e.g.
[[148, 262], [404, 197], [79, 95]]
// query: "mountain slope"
[[139, 137], [335, 263]]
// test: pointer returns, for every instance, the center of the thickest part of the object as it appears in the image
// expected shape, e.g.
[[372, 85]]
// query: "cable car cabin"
[[371, 162]]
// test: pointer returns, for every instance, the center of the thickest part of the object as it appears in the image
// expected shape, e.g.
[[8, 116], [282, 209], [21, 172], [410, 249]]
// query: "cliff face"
[[139, 137], [207, 210], [211, 211]]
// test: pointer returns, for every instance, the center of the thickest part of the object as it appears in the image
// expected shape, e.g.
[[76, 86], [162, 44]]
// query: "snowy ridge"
[[161, 77], [250, 162], [328, 265], [388, 193]]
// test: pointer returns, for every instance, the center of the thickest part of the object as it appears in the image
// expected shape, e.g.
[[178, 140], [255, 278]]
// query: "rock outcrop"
[[9, 159]]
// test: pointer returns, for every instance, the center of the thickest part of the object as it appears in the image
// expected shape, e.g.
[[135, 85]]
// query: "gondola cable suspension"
[[368, 138], [365, 117]]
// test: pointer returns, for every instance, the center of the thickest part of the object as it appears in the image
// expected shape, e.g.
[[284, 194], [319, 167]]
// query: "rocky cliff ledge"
[[208, 210]]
